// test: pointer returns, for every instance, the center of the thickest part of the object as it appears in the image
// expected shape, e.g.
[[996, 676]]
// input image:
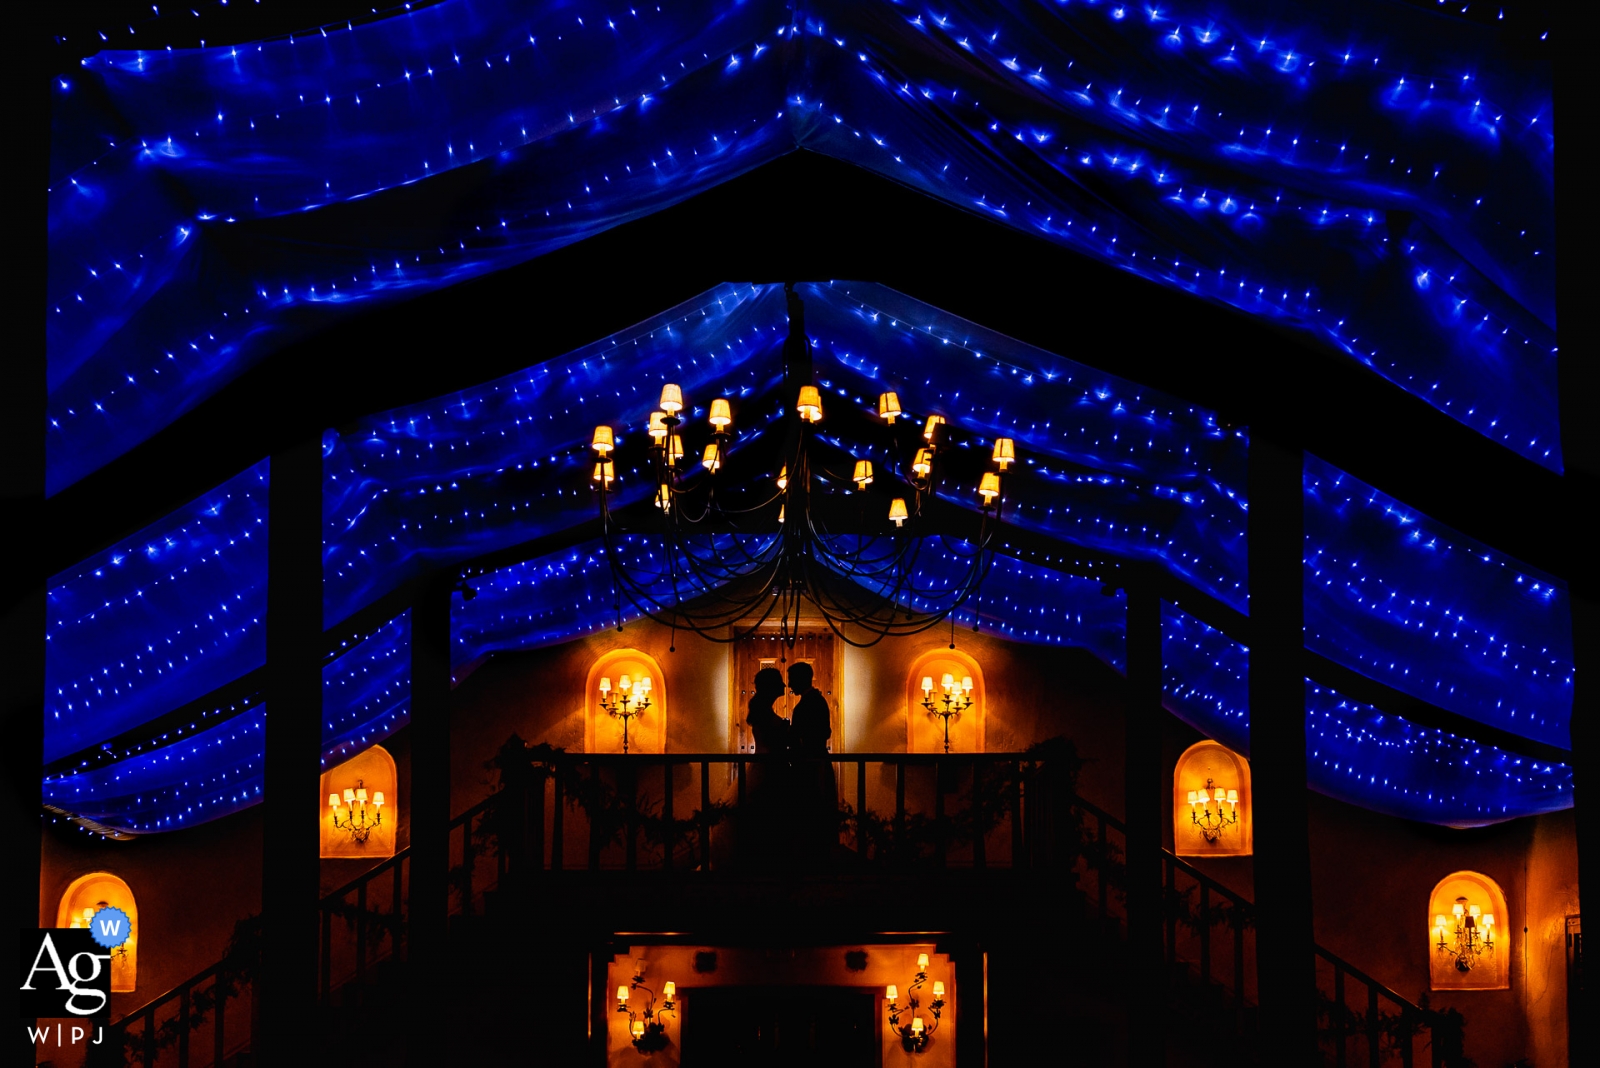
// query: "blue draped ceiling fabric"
[[1372, 177]]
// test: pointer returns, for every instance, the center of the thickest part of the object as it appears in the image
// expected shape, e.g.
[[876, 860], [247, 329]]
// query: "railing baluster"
[[361, 938], [150, 1037], [1101, 886], [594, 826], [899, 795], [469, 863], [531, 857], [1407, 1052], [183, 1027], [980, 851], [1341, 1053], [669, 832], [1017, 860], [1374, 1045], [219, 1041], [1205, 935], [399, 907], [1170, 889], [558, 823], [327, 953], [705, 815], [861, 802], [1238, 972], [628, 783]]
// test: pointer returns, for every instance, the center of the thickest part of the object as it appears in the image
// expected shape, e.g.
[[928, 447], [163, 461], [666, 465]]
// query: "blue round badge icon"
[[110, 927]]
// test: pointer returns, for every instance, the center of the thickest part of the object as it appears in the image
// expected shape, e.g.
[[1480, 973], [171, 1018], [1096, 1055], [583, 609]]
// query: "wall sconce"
[[1473, 935], [916, 1033], [631, 699], [364, 815], [646, 1026], [85, 919], [956, 700], [1212, 821]]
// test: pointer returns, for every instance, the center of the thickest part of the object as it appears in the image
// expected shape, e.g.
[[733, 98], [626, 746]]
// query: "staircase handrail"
[[1239, 899]]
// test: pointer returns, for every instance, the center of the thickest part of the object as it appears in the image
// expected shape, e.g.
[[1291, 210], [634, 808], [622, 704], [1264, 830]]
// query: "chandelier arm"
[[755, 507]]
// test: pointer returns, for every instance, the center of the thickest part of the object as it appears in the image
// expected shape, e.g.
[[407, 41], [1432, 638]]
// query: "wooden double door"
[[763, 650]]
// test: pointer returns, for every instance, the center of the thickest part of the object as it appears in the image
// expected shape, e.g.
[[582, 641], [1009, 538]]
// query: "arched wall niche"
[[373, 770], [1209, 761], [93, 892], [647, 733], [1491, 970], [924, 730]]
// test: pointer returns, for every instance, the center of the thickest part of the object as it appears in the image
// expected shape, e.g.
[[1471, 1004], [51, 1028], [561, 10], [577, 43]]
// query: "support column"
[[1285, 961], [290, 885], [1579, 399], [23, 616], [1144, 793], [428, 908]]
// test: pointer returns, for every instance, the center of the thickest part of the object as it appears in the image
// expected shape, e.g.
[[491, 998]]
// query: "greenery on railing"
[[609, 811], [993, 795], [240, 964], [1396, 1031]]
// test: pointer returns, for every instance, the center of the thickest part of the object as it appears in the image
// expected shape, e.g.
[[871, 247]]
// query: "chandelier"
[[745, 543], [1206, 810], [915, 1033], [1467, 936], [365, 814]]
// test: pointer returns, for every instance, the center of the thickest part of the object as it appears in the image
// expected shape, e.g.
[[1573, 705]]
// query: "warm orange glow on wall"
[[647, 733], [1491, 969], [1227, 771], [374, 769], [89, 894], [925, 731]]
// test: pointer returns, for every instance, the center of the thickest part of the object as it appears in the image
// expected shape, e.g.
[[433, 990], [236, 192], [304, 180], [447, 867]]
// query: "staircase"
[[1012, 825]]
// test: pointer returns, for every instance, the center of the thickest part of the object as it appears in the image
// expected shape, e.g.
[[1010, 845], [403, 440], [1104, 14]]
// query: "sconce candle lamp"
[[630, 699], [1207, 812], [915, 1033], [955, 700], [365, 813], [647, 1026]]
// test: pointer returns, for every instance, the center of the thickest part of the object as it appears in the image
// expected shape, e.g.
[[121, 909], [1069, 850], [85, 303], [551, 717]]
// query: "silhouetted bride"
[[766, 820]]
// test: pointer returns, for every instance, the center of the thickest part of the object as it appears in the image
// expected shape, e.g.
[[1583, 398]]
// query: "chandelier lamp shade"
[[732, 548], [361, 814]]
